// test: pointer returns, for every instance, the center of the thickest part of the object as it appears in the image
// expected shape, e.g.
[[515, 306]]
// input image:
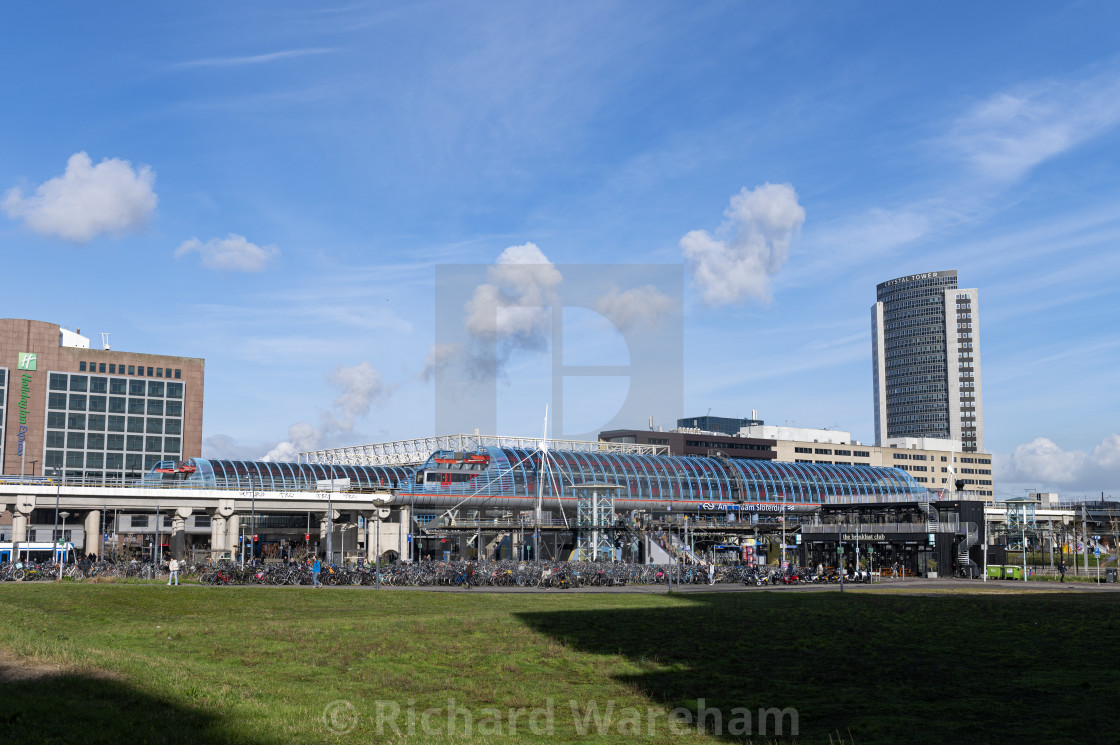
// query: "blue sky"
[[271, 186]]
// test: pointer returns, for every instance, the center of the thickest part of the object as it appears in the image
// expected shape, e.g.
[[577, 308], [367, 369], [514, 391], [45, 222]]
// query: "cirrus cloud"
[[1011, 132], [87, 200]]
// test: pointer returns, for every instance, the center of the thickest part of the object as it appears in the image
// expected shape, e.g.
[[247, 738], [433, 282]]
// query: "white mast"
[[542, 472]]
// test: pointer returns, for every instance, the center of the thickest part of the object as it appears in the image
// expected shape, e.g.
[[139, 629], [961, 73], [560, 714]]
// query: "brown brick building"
[[94, 413]]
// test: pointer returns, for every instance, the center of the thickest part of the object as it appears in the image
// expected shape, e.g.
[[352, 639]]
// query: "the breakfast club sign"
[[28, 363]]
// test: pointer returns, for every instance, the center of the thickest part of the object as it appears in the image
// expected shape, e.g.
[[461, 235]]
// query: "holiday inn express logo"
[[27, 361]]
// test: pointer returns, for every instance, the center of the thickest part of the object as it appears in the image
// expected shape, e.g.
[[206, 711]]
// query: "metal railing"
[[415, 452], [946, 524], [233, 485], [502, 523]]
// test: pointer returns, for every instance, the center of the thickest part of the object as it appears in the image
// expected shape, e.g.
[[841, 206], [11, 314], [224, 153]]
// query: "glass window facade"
[[240, 474], [86, 423], [915, 354]]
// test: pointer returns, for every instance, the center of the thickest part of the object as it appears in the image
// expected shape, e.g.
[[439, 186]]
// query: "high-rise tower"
[[925, 336]]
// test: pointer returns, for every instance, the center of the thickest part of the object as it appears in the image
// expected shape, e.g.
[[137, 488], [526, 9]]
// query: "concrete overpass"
[[225, 508]]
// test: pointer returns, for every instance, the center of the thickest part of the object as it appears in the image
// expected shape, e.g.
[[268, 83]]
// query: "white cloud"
[[233, 253], [224, 447], [510, 312], [360, 386], [87, 200], [749, 247], [1043, 462], [1011, 132], [640, 306], [517, 303], [439, 358], [302, 436]]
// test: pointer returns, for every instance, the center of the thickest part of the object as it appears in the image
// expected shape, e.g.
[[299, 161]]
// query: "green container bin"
[[1012, 572], [995, 571]]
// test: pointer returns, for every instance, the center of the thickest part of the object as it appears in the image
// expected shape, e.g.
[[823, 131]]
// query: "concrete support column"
[[217, 534], [92, 533], [233, 530], [19, 527], [323, 536], [404, 548], [21, 514], [179, 532]]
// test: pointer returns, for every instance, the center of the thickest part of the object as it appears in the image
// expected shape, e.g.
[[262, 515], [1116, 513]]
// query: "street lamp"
[[63, 515], [674, 566], [57, 497], [672, 559], [330, 520], [783, 528], [379, 514], [253, 519]]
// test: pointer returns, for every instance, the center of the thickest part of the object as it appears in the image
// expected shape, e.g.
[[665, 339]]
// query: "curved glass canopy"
[[514, 472]]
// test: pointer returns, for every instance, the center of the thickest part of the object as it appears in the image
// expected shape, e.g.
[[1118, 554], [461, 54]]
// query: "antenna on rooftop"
[[105, 340]]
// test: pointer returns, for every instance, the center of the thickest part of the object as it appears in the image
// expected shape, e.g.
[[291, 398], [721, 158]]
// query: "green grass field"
[[136, 663]]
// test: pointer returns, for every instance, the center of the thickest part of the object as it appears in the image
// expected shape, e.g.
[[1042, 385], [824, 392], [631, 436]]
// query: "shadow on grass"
[[73, 708], [869, 668]]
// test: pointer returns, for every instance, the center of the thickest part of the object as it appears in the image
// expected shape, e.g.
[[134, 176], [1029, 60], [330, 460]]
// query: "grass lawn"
[[137, 663]]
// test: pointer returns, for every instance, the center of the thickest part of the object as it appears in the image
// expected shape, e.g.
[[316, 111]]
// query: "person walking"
[[711, 572], [173, 566], [1062, 570], [316, 568]]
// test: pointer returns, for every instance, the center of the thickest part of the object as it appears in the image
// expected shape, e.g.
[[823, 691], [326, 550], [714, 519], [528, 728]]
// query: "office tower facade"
[[925, 334]]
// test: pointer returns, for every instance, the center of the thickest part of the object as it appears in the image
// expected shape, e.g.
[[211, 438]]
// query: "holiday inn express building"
[[92, 413]]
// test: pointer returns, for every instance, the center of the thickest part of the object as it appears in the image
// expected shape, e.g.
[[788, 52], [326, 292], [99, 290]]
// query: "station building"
[[939, 465]]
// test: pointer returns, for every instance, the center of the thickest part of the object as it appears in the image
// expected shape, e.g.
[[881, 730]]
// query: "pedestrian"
[[1062, 570], [711, 572], [173, 565], [316, 568]]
